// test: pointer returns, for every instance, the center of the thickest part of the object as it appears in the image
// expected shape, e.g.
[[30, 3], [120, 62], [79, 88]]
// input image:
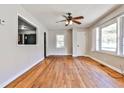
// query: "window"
[[59, 41], [106, 37], [109, 37]]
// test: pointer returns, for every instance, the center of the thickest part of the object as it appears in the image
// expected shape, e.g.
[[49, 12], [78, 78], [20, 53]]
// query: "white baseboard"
[[25, 70], [19, 74], [59, 54], [112, 67]]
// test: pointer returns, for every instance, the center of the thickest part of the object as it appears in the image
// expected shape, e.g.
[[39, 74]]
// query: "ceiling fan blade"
[[79, 17], [61, 21], [77, 22], [65, 16]]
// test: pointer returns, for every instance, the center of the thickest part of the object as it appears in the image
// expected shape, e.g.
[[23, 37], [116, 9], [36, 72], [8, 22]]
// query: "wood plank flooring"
[[69, 72]]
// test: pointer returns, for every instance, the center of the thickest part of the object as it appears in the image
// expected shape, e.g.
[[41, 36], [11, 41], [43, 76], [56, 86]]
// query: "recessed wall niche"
[[26, 32]]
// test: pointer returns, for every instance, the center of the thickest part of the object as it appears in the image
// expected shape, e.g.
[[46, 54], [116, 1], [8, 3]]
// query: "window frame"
[[120, 36], [100, 37]]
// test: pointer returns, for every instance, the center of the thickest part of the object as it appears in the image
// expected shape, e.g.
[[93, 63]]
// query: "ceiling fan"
[[69, 19]]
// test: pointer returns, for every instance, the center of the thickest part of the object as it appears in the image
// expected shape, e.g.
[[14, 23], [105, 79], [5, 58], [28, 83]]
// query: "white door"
[[81, 42]]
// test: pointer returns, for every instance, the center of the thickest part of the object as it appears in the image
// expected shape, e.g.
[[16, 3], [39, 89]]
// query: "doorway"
[[81, 40]]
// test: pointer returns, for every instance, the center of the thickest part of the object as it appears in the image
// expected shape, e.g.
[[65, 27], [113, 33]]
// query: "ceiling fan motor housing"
[[69, 16]]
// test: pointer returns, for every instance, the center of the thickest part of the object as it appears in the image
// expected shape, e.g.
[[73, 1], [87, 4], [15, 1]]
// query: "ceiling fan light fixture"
[[70, 22], [23, 27], [66, 22]]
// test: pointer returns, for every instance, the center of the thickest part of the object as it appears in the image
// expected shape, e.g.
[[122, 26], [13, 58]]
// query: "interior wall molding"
[[19, 74]]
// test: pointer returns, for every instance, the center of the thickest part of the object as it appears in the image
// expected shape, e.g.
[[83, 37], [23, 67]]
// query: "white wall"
[[52, 50], [110, 60], [70, 42], [14, 58]]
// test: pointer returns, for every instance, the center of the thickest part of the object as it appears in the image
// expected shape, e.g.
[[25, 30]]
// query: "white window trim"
[[120, 34], [105, 25]]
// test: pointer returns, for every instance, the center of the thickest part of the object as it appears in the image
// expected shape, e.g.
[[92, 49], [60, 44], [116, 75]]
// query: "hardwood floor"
[[66, 71]]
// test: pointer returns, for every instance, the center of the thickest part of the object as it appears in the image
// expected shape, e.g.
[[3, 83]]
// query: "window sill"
[[110, 53], [60, 47], [24, 45]]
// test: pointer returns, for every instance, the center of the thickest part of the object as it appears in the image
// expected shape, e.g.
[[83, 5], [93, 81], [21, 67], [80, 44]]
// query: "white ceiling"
[[49, 14]]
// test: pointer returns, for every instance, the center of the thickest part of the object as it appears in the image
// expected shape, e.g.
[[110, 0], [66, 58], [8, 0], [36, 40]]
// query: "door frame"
[[45, 45]]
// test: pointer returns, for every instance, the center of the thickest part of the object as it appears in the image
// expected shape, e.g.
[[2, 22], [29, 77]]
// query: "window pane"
[[60, 37], [108, 40], [60, 44]]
